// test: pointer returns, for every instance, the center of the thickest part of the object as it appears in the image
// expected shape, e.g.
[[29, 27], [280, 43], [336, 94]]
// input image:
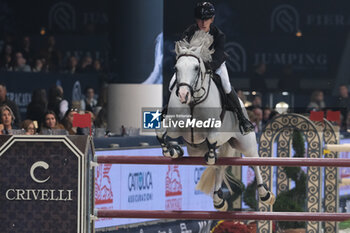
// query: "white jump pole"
[[338, 147]]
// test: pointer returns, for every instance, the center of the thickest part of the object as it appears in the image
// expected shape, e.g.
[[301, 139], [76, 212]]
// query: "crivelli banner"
[[21, 85]]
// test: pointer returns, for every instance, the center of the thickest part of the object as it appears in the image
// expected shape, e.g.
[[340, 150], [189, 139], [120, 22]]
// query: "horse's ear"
[[178, 48], [197, 50]]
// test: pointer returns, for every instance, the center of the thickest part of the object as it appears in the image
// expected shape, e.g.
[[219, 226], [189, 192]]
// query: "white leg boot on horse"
[[169, 149]]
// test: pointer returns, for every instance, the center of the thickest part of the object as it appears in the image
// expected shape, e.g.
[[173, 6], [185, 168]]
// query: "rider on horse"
[[204, 14]]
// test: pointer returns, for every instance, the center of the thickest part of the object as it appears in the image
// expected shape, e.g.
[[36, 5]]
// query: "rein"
[[198, 99]]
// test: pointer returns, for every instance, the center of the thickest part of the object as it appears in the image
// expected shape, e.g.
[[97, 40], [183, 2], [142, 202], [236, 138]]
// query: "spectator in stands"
[[86, 64], [101, 109], [7, 119], [38, 106], [343, 103], [258, 118], [257, 102], [21, 63], [50, 123], [89, 102], [38, 65], [7, 63], [6, 58], [26, 49], [68, 121], [316, 101], [51, 54], [241, 96], [13, 106], [56, 101], [72, 65], [252, 117], [96, 66], [101, 119], [29, 127], [266, 115]]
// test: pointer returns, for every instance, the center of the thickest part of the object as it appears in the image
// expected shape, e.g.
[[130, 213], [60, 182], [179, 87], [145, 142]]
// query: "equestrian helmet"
[[204, 10]]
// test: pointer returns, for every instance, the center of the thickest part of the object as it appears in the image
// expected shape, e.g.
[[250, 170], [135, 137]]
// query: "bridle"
[[193, 86]]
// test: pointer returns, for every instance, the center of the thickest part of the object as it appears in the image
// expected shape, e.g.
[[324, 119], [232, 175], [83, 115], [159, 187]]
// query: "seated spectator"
[[7, 119], [241, 95], [21, 63], [29, 127], [26, 49], [266, 115], [89, 102], [72, 65], [6, 57], [38, 106], [252, 117], [96, 66], [86, 65], [51, 54], [56, 101], [13, 106], [343, 104], [101, 119], [50, 123], [316, 101], [6, 63], [38, 65], [67, 121], [258, 118], [257, 102]]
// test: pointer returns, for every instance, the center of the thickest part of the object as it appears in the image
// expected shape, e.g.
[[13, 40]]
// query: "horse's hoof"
[[269, 199], [223, 206], [210, 159], [166, 152], [176, 151]]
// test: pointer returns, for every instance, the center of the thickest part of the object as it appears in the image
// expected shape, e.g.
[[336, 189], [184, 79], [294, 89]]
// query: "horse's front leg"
[[265, 195], [168, 149], [211, 155]]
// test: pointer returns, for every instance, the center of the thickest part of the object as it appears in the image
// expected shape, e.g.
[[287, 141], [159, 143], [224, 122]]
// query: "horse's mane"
[[200, 39]]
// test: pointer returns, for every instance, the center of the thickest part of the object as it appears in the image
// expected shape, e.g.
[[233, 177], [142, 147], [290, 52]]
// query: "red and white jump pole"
[[285, 162], [234, 215]]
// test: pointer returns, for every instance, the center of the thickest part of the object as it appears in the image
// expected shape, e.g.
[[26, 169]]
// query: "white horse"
[[197, 97]]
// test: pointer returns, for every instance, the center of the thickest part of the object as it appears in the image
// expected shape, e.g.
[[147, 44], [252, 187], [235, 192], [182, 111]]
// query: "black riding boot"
[[245, 126]]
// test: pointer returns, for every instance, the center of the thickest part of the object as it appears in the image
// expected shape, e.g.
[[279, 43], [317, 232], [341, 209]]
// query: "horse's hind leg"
[[218, 196]]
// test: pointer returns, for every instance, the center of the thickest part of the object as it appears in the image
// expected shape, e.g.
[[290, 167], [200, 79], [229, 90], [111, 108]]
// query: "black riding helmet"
[[204, 10]]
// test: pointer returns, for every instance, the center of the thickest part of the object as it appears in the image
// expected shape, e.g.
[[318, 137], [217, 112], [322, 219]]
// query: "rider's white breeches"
[[225, 80], [221, 71]]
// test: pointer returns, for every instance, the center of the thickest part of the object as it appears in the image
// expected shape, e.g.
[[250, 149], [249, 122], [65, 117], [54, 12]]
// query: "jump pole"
[[338, 147], [285, 162], [234, 215]]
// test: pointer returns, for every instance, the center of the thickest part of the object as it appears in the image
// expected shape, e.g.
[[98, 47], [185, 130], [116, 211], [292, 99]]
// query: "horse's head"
[[189, 68]]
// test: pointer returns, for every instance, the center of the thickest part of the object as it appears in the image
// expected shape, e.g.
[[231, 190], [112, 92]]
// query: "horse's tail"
[[207, 180]]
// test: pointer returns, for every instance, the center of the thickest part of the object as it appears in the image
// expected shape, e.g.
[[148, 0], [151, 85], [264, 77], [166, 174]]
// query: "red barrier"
[[285, 162], [275, 216]]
